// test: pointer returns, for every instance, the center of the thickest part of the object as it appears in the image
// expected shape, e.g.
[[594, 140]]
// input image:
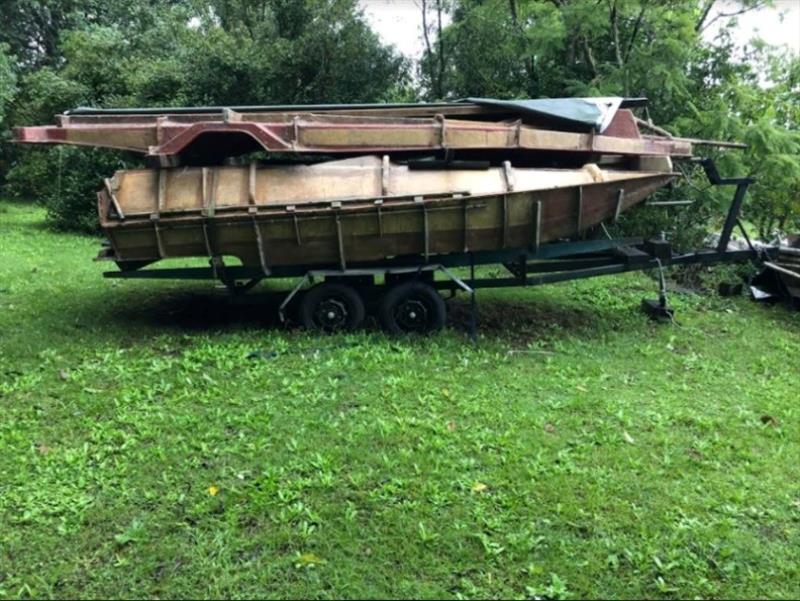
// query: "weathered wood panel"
[[288, 221]]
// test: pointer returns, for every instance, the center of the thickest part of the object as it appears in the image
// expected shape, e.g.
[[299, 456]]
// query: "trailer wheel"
[[332, 307], [412, 307]]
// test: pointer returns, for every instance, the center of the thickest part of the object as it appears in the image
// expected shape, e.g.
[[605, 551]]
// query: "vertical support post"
[[580, 210], [508, 176], [385, 170], [207, 239], [251, 184], [473, 304], [618, 208], [262, 257], [537, 225], [425, 227], [442, 133], [340, 239], [155, 217], [204, 188], [505, 220], [378, 206], [160, 130], [296, 223], [217, 265], [296, 131], [114, 201], [162, 189], [733, 216], [466, 228], [209, 199], [159, 242]]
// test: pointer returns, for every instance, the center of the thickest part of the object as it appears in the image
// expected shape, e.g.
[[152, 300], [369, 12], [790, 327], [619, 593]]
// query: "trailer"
[[406, 293]]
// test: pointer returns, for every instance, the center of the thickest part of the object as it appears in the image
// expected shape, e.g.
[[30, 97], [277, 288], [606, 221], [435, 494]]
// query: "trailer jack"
[[659, 309]]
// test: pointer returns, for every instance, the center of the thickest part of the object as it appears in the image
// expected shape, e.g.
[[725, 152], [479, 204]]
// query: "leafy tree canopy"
[[8, 81], [57, 54], [656, 49]]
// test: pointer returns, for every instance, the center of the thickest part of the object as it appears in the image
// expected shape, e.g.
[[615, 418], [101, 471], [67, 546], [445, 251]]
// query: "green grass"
[[577, 450]]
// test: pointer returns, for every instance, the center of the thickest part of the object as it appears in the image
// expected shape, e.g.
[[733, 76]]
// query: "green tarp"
[[588, 114]]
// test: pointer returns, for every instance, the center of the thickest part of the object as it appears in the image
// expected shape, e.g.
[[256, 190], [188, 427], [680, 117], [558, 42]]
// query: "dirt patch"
[[520, 322]]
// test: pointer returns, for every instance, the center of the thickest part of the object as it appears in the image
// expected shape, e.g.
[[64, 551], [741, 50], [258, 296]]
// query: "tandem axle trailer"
[[407, 292], [408, 298]]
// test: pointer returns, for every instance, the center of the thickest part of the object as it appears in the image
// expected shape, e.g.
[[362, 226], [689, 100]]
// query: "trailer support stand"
[[473, 305], [659, 309]]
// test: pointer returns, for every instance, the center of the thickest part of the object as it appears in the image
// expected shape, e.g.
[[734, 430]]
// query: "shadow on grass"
[[198, 311], [534, 319], [517, 320], [139, 312], [782, 312]]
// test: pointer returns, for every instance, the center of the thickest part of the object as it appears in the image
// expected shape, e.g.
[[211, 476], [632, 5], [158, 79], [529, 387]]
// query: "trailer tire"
[[412, 308], [332, 307]]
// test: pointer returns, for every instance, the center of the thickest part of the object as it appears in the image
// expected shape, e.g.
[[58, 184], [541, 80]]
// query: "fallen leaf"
[[308, 560], [213, 490], [42, 448], [451, 426], [63, 374], [549, 428], [628, 438], [479, 487]]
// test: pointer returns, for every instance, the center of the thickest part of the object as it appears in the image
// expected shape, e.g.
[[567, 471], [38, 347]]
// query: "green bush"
[[8, 81], [65, 180]]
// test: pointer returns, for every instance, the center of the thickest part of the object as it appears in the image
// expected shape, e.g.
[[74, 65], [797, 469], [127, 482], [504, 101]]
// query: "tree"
[[319, 51], [191, 52], [34, 29], [8, 82], [517, 48]]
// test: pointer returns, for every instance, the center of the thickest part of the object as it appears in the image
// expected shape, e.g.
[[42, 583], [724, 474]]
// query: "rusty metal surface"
[[170, 138]]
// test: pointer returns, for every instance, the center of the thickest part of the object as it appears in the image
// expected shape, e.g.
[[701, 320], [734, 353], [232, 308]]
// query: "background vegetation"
[[697, 88], [58, 54]]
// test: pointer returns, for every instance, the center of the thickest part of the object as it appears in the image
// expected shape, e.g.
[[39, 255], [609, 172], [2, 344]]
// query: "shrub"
[[65, 180]]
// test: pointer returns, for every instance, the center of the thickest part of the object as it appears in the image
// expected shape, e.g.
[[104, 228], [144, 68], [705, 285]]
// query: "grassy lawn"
[[156, 440]]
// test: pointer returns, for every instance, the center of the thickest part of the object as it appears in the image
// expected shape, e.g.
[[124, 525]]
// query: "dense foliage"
[[57, 54], [8, 80], [696, 88], [162, 53]]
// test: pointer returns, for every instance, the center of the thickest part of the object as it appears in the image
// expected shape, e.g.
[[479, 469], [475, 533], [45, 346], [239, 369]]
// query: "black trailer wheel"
[[412, 307], [332, 307]]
